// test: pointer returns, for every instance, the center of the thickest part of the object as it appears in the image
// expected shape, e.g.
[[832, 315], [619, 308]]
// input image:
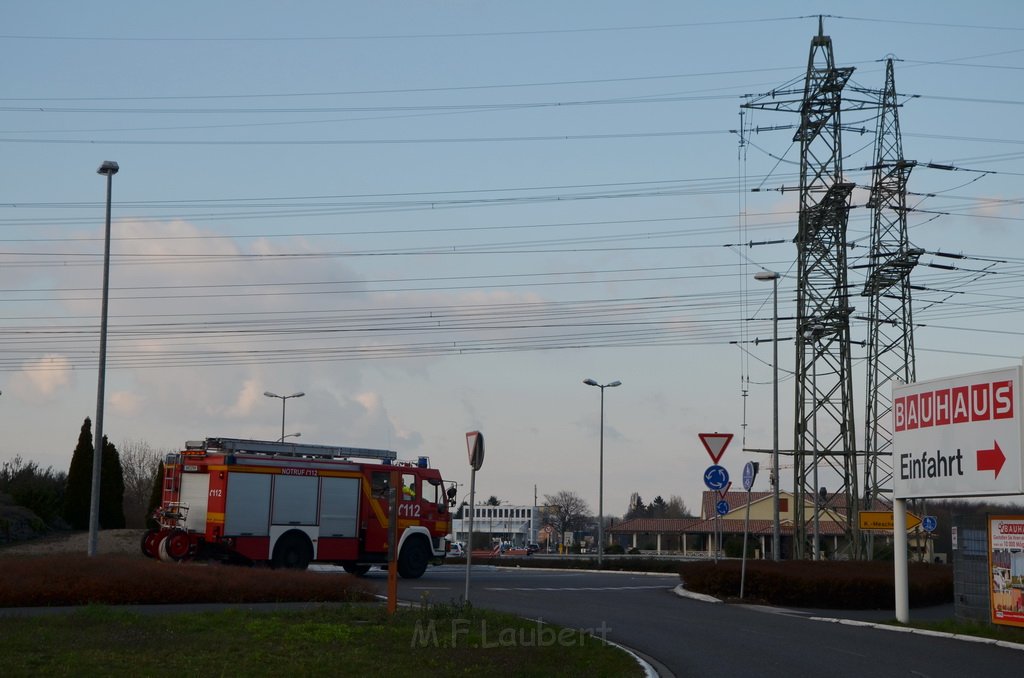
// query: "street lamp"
[[283, 400], [109, 169], [774, 277], [812, 334], [291, 435], [600, 485]]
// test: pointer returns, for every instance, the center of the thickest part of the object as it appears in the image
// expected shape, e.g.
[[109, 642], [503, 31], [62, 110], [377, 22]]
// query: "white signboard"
[[959, 436]]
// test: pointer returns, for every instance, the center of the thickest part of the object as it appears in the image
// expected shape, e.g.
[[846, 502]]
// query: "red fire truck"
[[291, 504]]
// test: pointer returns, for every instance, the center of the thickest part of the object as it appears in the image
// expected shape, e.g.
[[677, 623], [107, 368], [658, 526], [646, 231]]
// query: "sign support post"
[[899, 545], [749, 473], [475, 445], [393, 543]]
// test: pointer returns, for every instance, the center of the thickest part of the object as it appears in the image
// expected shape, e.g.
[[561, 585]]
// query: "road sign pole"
[[743, 565], [749, 474], [899, 556], [396, 478], [469, 539]]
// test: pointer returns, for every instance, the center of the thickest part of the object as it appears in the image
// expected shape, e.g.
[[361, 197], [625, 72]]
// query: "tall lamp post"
[[812, 334], [109, 169], [284, 399], [774, 277], [600, 484]]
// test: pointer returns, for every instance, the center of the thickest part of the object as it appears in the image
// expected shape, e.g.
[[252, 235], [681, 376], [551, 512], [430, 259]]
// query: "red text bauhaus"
[[954, 405]]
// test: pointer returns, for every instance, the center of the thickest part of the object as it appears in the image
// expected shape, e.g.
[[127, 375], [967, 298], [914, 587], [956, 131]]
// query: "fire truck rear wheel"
[[151, 543], [293, 552], [414, 558]]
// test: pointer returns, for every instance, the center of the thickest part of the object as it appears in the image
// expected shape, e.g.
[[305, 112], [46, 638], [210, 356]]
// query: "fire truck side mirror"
[[451, 495]]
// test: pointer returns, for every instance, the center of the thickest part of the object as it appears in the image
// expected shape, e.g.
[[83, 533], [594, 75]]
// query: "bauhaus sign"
[[959, 436]]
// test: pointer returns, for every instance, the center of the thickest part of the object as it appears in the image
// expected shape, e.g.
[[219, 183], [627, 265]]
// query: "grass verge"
[[977, 629], [349, 639]]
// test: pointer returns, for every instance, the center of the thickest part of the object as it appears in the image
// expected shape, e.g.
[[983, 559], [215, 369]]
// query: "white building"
[[516, 525]]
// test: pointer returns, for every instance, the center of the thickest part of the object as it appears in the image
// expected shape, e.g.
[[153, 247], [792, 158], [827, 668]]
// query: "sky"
[[441, 217]]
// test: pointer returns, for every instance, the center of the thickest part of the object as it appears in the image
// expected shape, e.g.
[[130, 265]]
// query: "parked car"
[[532, 548]]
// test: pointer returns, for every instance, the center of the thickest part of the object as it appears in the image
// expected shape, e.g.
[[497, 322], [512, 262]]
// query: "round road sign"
[[722, 507], [749, 473], [716, 477]]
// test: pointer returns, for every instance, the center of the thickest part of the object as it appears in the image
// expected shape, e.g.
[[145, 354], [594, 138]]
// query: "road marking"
[[571, 588]]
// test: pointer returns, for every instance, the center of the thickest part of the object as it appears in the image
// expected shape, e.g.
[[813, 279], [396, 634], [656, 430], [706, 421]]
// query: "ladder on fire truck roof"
[[290, 449]]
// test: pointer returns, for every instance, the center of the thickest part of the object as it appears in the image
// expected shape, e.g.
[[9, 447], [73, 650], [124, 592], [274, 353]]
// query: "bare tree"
[[566, 511], [139, 462], [677, 508]]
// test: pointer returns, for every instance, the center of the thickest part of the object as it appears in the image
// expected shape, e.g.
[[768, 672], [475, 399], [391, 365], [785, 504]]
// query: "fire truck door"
[[195, 488], [248, 505], [339, 507]]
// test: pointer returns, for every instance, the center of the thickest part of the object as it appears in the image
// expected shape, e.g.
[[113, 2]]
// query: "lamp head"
[[766, 275], [297, 395], [590, 382], [615, 383], [271, 395], [108, 168]]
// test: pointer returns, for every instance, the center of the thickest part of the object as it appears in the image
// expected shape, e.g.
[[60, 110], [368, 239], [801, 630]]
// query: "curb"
[[703, 597], [683, 593], [922, 632]]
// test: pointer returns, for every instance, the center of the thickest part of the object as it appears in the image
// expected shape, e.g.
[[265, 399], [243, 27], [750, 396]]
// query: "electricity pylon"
[[823, 417], [890, 344]]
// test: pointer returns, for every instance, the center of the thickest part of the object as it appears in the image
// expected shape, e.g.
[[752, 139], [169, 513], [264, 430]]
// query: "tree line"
[[129, 485]]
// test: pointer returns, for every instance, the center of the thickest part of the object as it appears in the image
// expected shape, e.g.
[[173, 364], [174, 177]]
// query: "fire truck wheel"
[[174, 546], [357, 570], [293, 552], [413, 560], [151, 543]]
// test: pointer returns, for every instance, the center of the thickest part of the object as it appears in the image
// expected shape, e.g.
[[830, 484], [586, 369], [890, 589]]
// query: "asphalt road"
[[687, 637]]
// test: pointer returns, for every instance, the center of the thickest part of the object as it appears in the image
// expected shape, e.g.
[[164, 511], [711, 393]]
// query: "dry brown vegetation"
[[843, 585], [122, 579]]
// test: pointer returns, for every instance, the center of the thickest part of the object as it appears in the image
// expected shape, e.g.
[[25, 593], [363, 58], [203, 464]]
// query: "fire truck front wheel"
[[175, 546], [413, 559], [293, 552]]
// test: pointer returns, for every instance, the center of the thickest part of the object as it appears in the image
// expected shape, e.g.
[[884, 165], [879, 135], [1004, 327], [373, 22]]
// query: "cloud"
[[43, 379], [126, 403], [250, 394]]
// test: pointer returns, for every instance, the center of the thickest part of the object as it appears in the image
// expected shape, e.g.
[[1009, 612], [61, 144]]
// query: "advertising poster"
[[1006, 564]]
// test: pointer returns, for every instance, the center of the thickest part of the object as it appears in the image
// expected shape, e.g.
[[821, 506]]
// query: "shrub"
[[848, 585], [40, 491], [72, 579]]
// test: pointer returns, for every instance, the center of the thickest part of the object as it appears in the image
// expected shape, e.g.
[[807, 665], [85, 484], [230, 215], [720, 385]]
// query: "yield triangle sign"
[[715, 444]]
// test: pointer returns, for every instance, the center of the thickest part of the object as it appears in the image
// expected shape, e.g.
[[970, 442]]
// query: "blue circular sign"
[[929, 523], [722, 507], [749, 473], [716, 477]]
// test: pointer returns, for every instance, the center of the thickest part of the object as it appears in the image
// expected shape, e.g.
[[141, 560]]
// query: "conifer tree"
[[79, 487], [111, 488]]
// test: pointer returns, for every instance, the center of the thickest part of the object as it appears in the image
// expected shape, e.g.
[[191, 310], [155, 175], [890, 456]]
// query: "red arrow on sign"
[[991, 460], [715, 444]]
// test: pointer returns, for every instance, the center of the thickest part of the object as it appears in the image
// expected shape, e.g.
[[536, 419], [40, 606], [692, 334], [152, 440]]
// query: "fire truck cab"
[[290, 504]]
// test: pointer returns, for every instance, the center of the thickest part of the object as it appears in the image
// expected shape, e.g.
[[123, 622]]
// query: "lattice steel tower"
[[890, 346], [823, 416]]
